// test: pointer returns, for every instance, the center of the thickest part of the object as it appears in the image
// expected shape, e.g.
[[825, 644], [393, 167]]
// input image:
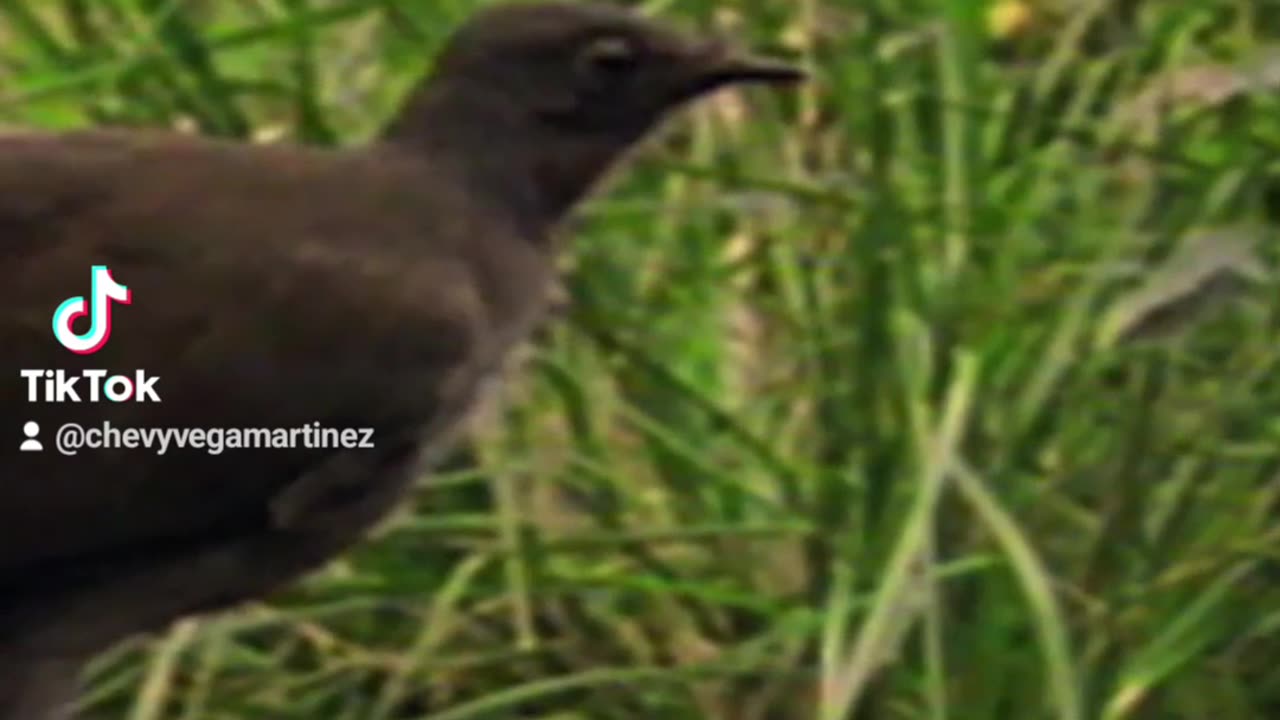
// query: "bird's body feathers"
[[318, 311]]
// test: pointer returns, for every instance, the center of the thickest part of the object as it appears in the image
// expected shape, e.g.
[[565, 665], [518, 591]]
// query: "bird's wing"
[[267, 292]]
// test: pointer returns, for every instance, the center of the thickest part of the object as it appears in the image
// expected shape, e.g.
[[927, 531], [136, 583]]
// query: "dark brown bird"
[[281, 286]]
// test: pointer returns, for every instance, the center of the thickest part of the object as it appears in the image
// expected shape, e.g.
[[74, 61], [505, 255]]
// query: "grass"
[[945, 390]]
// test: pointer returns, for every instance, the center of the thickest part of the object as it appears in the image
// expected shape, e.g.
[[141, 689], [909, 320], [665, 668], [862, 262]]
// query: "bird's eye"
[[610, 57]]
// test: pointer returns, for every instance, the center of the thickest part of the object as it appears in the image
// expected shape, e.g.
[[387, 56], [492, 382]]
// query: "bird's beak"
[[744, 69], [719, 66]]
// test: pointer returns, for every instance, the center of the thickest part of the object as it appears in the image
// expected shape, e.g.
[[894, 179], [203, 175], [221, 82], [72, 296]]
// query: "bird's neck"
[[505, 156]]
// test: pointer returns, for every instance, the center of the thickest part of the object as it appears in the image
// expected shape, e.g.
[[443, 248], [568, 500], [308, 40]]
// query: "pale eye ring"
[[611, 56]]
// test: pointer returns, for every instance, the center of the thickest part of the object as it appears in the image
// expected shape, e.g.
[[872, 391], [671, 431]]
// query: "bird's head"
[[577, 82], [594, 68]]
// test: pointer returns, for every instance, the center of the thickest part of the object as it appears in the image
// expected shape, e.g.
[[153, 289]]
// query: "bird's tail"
[[34, 688]]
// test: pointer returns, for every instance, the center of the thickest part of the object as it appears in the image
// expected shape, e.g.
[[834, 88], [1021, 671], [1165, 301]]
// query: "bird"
[[286, 288]]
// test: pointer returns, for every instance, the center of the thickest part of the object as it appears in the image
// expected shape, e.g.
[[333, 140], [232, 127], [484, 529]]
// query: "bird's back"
[[272, 288]]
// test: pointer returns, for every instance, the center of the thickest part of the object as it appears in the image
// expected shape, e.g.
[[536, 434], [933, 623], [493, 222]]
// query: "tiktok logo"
[[103, 292]]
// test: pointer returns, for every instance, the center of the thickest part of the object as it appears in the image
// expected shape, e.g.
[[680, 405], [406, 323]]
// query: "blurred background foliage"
[[946, 389]]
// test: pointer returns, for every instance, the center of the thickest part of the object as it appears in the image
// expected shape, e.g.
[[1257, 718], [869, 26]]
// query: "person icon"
[[31, 444]]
